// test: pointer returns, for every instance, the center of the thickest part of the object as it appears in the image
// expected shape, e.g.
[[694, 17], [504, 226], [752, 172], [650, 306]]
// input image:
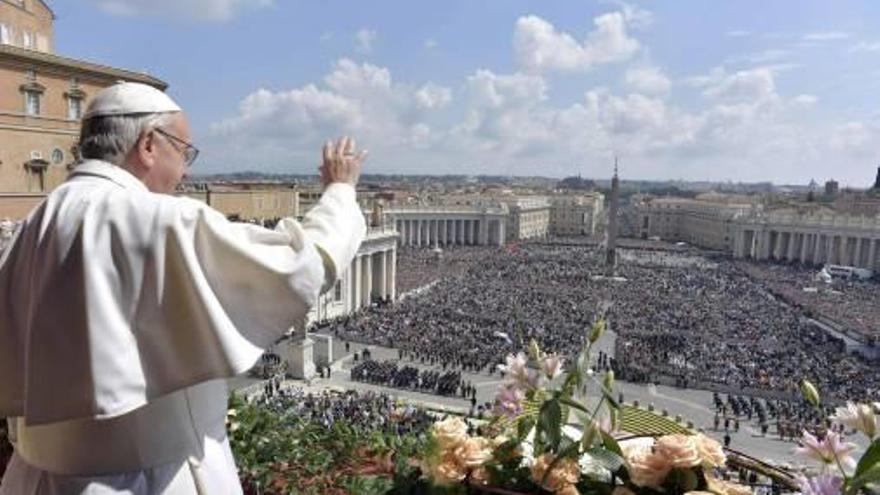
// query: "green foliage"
[[284, 453]]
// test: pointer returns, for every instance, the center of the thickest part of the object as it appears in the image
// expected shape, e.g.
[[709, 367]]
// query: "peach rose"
[[473, 452], [480, 476], [711, 453], [447, 472], [568, 490], [722, 487], [450, 432], [680, 450], [565, 472], [646, 468]]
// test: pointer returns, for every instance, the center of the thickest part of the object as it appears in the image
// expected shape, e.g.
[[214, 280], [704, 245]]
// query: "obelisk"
[[611, 230]]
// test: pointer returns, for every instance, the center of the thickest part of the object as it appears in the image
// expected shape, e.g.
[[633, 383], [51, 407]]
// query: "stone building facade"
[[248, 201], [42, 98], [811, 238], [576, 214], [707, 221], [494, 220]]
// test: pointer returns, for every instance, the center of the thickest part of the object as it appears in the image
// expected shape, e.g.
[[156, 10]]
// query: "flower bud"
[[534, 351], [598, 330], [810, 393], [590, 434], [608, 381]]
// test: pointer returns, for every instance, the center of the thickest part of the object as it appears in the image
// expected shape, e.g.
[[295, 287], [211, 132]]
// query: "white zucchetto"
[[130, 98]]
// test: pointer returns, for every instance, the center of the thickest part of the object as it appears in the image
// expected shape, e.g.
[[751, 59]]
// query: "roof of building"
[[32, 56], [46, 4]]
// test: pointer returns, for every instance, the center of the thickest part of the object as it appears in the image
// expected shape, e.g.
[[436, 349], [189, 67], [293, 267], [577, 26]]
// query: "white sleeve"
[[335, 226]]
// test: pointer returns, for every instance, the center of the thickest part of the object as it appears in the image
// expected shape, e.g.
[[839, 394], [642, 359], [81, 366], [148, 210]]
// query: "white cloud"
[[432, 96], [805, 100], [769, 55], [755, 85], [365, 39], [649, 80], [431, 44], [738, 33], [539, 46], [865, 46], [358, 99], [826, 36], [197, 10], [350, 79], [506, 123]]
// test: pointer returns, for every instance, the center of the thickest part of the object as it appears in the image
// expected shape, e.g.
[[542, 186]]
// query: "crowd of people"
[[677, 315], [850, 303], [390, 374], [369, 411], [786, 419]]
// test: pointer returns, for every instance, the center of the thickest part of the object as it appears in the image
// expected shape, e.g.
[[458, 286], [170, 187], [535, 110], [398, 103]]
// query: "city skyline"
[[679, 92]]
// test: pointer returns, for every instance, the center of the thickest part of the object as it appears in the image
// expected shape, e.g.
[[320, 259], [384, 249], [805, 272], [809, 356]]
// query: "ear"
[[145, 149]]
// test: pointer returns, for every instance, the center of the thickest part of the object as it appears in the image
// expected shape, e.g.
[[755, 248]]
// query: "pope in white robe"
[[125, 308]]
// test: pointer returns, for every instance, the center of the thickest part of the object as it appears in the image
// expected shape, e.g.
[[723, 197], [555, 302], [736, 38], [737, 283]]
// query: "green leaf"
[[681, 480], [607, 458], [550, 423], [575, 405], [611, 444], [869, 459], [871, 475]]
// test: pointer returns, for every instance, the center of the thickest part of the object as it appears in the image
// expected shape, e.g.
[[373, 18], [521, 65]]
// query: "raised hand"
[[342, 162]]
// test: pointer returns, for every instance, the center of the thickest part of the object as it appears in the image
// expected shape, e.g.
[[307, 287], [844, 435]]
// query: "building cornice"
[[31, 57]]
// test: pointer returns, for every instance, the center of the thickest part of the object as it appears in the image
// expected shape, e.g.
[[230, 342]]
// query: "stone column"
[[391, 274], [436, 232], [828, 257], [357, 282], [459, 234], [859, 242], [502, 234], [383, 275], [444, 224], [367, 280], [484, 232], [805, 240], [789, 253], [872, 253]]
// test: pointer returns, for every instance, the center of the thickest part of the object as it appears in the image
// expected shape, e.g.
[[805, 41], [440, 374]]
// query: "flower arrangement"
[[839, 472], [529, 446]]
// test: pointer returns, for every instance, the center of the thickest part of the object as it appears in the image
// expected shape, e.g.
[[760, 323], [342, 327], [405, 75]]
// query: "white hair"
[[112, 137]]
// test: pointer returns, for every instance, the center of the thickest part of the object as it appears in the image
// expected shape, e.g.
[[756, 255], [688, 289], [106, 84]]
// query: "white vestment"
[[123, 311]]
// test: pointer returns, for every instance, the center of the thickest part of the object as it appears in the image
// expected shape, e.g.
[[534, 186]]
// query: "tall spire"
[[611, 232]]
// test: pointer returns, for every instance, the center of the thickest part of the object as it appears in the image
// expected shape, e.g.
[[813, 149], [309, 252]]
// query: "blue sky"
[[690, 89]]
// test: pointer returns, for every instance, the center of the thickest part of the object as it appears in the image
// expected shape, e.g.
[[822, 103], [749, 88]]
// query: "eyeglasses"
[[189, 152]]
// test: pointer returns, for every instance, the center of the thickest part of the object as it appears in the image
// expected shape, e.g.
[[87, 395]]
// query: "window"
[[27, 40], [32, 102], [74, 108], [5, 34], [57, 155], [337, 291]]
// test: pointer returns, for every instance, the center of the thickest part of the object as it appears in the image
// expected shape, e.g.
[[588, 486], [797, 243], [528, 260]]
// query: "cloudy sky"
[[724, 90]]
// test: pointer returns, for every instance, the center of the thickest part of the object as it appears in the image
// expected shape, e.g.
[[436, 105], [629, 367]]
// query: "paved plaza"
[[691, 405]]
